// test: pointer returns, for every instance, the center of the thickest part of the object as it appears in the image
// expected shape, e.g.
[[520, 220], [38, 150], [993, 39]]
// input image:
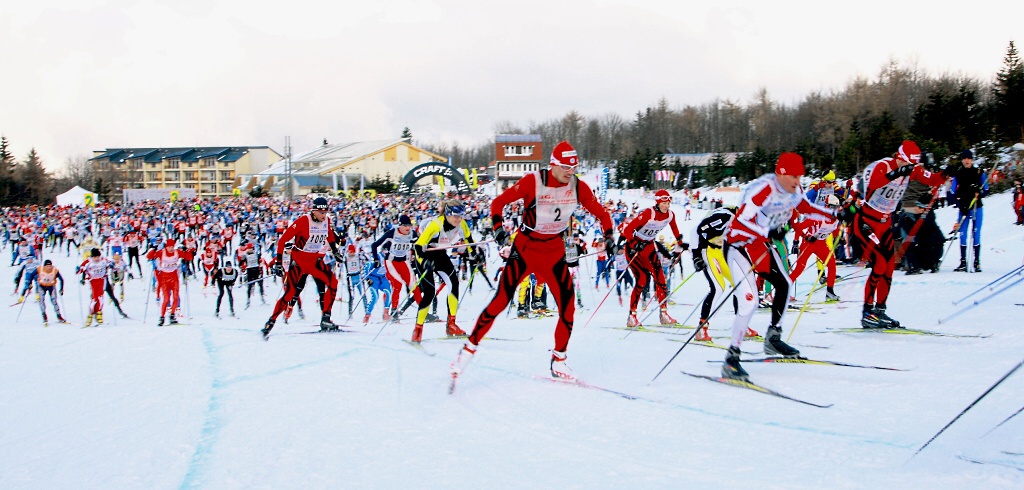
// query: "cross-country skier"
[[643, 254], [550, 197]]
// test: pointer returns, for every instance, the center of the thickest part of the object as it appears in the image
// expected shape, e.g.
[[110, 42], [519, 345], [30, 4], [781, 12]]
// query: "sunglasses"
[[565, 167]]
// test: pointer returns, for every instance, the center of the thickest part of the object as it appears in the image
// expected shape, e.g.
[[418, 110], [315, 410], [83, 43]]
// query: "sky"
[[84, 75]]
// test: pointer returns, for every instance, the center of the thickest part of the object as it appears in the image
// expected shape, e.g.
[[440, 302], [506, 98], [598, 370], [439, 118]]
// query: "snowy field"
[[211, 405]]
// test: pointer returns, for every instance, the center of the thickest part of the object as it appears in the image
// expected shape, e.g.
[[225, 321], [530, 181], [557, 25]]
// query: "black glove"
[[62, 291], [278, 270], [777, 233], [698, 261], [81, 281], [846, 214], [338, 258], [811, 239], [796, 246], [501, 237], [902, 171]]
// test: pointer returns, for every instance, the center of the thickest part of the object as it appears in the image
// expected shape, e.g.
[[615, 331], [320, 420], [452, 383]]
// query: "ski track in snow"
[[211, 405]]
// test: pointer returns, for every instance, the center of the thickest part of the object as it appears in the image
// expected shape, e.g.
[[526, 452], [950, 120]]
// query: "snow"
[[210, 405]]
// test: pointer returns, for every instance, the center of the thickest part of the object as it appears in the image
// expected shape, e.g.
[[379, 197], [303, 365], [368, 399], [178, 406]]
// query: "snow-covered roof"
[[330, 157]]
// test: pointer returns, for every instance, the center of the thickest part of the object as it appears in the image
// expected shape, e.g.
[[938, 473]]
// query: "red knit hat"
[[790, 164], [564, 154], [909, 152], [170, 243], [662, 195]]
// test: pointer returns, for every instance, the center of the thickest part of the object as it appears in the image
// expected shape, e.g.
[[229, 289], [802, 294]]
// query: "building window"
[[152, 175], [209, 188], [225, 188], [518, 151], [136, 164], [226, 175], [391, 154], [209, 163], [172, 176], [190, 186], [209, 175], [173, 163], [190, 176]]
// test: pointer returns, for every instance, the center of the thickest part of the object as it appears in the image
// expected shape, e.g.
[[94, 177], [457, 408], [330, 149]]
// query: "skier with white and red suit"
[[643, 254], [167, 265], [314, 237], [816, 240], [549, 199], [885, 181], [397, 243], [766, 208], [94, 270]]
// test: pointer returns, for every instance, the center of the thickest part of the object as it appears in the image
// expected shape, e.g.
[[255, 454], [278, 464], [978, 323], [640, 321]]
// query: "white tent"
[[76, 196]]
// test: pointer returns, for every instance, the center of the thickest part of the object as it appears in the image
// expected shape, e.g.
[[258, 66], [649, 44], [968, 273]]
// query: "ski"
[[340, 330], [754, 387], [463, 337], [804, 360], [584, 384], [417, 346], [902, 331], [650, 330]]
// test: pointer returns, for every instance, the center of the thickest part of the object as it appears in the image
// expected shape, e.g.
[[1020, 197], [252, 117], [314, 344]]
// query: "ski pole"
[[975, 402], [409, 300], [725, 299], [662, 302], [814, 287], [145, 310], [980, 301], [362, 297], [917, 226], [1007, 419], [992, 284], [598, 307], [18, 317]]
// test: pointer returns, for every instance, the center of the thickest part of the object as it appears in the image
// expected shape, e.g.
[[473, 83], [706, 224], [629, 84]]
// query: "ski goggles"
[[556, 163], [663, 199], [455, 211]]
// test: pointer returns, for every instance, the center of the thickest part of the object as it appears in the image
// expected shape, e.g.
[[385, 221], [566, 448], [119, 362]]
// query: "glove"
[[338, 258], [698, 262], [810, 239], [777, 233], [376, 263], [278, 270], [62, 291], [796, 246], [846, 214], [501, 237], [81, 281]]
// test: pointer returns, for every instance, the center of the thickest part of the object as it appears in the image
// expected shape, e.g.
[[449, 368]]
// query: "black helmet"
[[319, 203], [47, 262]]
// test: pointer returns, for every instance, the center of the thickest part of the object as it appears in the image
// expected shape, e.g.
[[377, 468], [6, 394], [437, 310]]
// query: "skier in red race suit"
[[168, 264], [643, 256], [313, 236], [885, 181], [550, 197]]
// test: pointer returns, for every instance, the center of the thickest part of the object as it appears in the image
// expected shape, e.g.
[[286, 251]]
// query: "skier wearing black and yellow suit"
[[444, 231]]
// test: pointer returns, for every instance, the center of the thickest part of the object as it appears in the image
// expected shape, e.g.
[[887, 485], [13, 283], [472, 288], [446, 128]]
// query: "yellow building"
[[340, 166], [211, 171]]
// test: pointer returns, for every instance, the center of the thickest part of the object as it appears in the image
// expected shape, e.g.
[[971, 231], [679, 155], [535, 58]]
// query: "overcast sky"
[[84, 75]]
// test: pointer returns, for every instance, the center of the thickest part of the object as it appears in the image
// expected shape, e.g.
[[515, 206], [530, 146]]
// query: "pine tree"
[[406, 133], [1008, 94], [7, 165], [36, 179]]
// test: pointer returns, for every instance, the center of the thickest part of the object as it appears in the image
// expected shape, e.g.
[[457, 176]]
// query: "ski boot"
[[233, 313], [20, 300], [247, 302], [774, 346], [431, 318], [99, 318], [977, 260], [160, 322], [417, 333], [387, 314], [831, 296], [539, 305], [558, 367], [522, 311], [885, 319], [465, 355], [302, 315], [869, 319], [963, 260], [326, 325], [620, 301], [394, 316], [366, 318], [453, 330], [122, 313], [266, 328], [666, 319], [751, 334], [579, 303], [61, 319], [632, 321], [174, 319], [731, 368], [216, 314], [46, 323], [702, 332], [88, 320], [287, 313]]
